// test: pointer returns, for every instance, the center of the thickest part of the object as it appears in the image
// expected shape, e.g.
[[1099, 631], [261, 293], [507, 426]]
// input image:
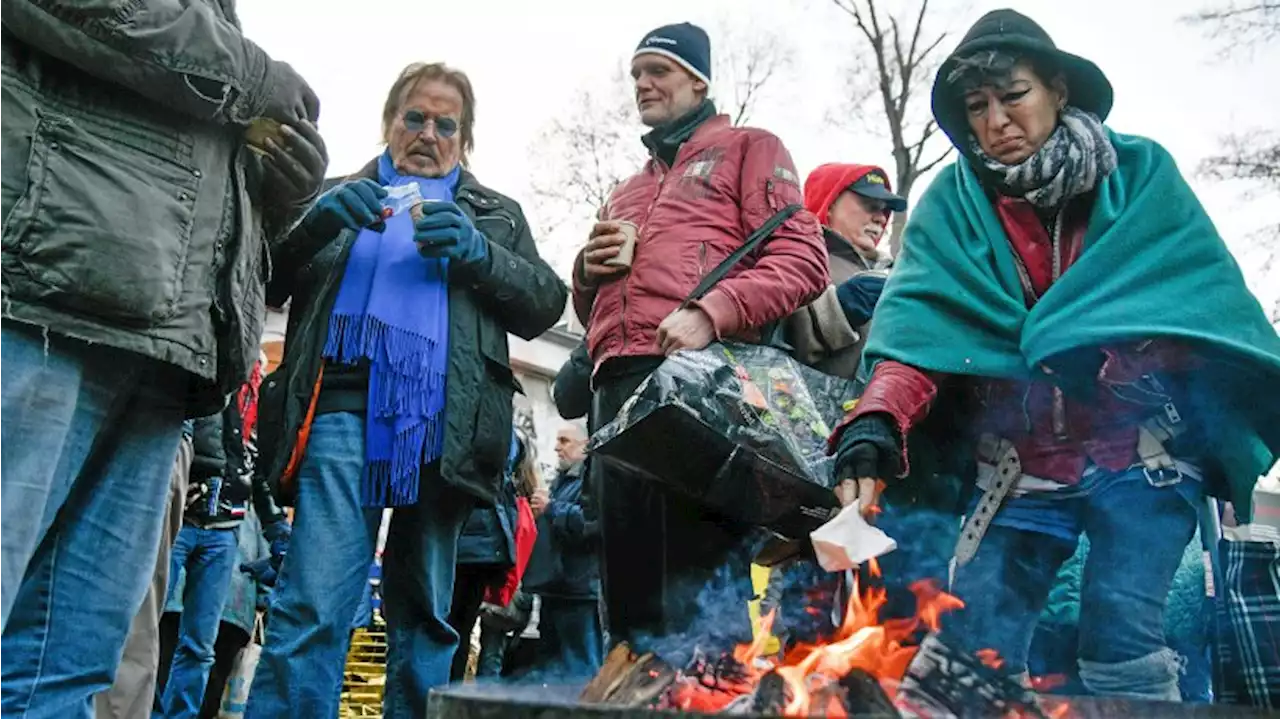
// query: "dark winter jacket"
[[132, 208], [512, 291], [222, 479], [821, 332], [564, 562], [571, 389], [489, 536]]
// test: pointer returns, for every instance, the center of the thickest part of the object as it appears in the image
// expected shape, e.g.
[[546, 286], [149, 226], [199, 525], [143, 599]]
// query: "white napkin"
[[847, 541]]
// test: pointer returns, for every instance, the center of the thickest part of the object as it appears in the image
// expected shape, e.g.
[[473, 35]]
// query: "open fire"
[[868, 666]]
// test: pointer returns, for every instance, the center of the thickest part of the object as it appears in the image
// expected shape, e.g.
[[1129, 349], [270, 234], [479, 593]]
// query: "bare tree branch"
[[901, 59], [1251, 157], [749, 67], [1248, 156], [1240, 26], [935, 161]]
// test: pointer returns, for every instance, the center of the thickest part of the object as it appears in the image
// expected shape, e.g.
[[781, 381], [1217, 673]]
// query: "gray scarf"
[[1071, 162]]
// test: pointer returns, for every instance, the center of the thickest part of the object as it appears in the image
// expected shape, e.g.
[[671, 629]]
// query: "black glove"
[[869, 448], [293, 168], [858, 296], [291, 99]]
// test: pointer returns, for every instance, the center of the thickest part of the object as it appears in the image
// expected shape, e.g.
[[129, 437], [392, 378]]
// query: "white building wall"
[[535, 364]]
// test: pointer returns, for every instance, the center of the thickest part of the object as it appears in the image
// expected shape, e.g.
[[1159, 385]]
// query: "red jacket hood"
[[826, 182]]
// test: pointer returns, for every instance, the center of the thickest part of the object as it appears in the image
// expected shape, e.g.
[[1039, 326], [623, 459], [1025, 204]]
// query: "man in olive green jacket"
[[136, 237]]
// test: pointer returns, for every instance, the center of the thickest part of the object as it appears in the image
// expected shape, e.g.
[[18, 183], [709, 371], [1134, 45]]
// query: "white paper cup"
[[626, 254]]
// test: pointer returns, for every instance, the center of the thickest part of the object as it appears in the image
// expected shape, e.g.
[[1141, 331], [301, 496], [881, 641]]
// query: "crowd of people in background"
[[177, 188]]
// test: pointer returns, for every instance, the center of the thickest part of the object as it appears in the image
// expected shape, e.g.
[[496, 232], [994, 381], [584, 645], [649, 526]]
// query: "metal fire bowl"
[[497, 701]]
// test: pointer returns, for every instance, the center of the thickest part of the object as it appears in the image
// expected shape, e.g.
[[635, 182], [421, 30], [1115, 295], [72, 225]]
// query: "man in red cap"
[[854, 203]]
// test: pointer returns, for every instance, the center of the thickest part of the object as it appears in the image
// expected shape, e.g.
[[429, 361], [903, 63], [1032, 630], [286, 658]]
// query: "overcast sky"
[[526, 59]]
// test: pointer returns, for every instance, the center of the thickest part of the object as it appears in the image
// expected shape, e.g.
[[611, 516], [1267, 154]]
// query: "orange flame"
[[863, 642], [990, 658], [747, 654]]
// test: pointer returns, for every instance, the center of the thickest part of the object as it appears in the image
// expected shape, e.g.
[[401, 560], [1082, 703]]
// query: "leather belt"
[[1008, 472]]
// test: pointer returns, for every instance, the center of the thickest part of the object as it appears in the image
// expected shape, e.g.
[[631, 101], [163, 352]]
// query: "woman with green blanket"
[[1067, 305]]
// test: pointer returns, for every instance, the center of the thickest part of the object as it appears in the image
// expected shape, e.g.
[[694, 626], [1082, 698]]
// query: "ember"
[[868, 666]]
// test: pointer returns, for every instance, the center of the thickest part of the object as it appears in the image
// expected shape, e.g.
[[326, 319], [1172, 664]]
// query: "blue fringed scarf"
[[393, 311]]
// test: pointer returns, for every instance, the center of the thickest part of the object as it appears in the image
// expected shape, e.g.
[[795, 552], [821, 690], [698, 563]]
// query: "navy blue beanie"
[[685, 43]]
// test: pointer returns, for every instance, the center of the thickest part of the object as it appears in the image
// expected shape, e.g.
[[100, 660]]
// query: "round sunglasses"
[[416, 121]]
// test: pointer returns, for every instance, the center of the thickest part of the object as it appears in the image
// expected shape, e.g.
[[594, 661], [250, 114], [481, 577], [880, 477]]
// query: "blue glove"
[[278, 534], [351, 205], [277, 530], [444, 231], [265, 570], [262, 571], [858, 296]]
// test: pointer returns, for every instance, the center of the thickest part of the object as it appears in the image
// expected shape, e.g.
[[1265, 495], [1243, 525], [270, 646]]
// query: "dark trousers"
[[665, 561], [493, 649], [571, 642], [468, 593]]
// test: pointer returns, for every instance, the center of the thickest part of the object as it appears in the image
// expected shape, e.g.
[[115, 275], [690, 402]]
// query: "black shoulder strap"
[[754, 240]]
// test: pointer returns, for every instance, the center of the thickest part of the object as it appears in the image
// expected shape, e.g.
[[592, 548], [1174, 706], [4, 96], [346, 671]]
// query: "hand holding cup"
[[609, 251]]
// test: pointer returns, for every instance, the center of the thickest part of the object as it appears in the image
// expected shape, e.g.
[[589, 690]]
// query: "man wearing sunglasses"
[[395, 391], [705, 188]]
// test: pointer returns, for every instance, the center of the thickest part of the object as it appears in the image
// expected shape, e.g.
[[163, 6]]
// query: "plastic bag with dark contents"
[[741, 428]]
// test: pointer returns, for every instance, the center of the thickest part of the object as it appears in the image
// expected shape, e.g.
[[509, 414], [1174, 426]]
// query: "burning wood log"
[[619, 661], [629, 680], [943, 681], [864, 695], [771, 695]]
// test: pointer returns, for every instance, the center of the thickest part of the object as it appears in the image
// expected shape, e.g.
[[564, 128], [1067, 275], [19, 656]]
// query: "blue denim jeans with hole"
[[1137, 534], [325, 573], [88, 438], [209, 557]]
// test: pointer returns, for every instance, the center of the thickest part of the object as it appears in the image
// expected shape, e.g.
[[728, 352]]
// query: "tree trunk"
[[895, 233]]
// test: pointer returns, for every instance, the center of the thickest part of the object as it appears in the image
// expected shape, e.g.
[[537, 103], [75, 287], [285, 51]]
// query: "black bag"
[[740, 428]]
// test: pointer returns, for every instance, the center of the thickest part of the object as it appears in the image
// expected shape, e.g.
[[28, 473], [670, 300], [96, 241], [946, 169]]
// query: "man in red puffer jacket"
[[705, 188]]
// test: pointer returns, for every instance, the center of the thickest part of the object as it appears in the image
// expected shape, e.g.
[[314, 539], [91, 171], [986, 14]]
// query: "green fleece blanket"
[[1153, 265]]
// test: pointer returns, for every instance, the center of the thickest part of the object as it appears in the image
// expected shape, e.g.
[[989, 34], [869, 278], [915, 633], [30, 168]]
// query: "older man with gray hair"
[[565, 570]]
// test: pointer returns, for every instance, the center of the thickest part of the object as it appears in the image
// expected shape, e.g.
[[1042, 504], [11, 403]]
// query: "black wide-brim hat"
[[1087, 87]]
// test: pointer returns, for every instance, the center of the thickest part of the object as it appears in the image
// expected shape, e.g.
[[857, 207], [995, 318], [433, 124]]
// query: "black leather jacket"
[[222, 477]]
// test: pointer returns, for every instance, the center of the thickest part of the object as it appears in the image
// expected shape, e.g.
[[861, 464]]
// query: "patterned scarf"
[[1071, 162], [392, 311]]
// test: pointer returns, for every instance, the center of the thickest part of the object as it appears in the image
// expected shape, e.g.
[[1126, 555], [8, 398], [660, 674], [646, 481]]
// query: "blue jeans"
[[364, 610], [88, 436], [1137, 535], [209, 557], [326, 570], [572, 644]]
